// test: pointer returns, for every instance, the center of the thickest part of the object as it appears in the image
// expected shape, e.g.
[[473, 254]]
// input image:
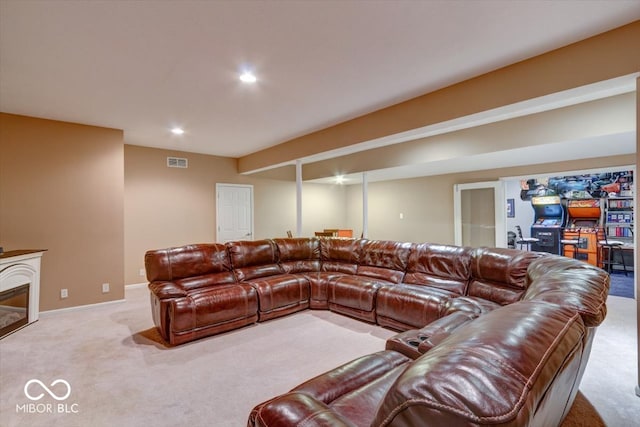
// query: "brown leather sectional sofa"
[[488, 336]]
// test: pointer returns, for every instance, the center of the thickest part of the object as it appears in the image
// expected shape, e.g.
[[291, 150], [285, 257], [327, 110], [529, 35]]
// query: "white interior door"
[[234, 213], [479, 214]]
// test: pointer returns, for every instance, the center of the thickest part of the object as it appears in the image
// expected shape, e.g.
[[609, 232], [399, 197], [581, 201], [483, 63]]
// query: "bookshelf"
[[619, 218]]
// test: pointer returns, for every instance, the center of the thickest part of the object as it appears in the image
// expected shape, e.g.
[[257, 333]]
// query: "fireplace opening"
[[14, 309]]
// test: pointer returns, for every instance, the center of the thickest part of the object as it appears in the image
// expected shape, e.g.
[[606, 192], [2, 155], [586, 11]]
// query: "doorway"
[[595, 202], [234, 212], [479, 214]]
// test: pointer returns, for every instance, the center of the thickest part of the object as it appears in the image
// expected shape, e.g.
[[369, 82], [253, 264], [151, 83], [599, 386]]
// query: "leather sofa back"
[[383, 259], [565, 282], [187, 261], [254, 259], [340, 255], [499, 275], [492, 274], [520, 375], [299, 255], [441, 266]]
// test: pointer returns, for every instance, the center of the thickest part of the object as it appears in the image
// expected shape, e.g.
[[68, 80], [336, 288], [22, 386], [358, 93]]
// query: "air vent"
[[177, 162]]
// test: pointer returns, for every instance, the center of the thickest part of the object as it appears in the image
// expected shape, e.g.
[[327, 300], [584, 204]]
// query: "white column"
[[298, 198], [365, 206], [636, 209]]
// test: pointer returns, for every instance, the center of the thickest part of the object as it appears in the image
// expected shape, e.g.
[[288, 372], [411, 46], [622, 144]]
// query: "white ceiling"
[[145, 66]]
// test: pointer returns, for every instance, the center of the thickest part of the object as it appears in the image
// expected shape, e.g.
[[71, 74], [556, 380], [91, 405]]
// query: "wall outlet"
[[64, 293], [105, 288], [142, 272]]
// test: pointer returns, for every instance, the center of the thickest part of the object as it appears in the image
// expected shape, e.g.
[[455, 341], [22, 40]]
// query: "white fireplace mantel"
[[22, 267]]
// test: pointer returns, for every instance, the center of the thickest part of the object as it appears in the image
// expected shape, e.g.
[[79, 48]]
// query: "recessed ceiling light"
[[248, 77], [340, 179], [177, 131]]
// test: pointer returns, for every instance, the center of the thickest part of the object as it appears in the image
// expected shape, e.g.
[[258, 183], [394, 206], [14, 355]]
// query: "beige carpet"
[[120, 374]]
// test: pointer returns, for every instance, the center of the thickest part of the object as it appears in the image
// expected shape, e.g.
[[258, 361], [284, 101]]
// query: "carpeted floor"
[[621, 285], [120, 373]]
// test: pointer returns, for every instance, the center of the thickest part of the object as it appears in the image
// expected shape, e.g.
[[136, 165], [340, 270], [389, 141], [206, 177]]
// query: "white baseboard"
[[80, 307], [89, 306]]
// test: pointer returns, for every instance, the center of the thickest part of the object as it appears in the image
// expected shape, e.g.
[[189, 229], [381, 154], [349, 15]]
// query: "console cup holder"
[[414, 343]]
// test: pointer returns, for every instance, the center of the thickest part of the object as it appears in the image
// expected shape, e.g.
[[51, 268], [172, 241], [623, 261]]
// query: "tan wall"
[[167, 207], [61, 187], [427, 203], [323, 206]]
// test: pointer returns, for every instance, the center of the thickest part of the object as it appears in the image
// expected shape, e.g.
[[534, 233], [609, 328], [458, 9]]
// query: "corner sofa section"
[[195, 293], [488, 336], [205, 289]]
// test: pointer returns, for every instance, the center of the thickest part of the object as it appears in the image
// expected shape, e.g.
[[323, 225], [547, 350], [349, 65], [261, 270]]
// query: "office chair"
[[525, 241]]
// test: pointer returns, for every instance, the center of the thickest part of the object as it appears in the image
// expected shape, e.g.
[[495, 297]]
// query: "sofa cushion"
[[298, 255], [214, 306], [513, 366], [440, 266], [319, 287], [499, 275], [281, 294], [356, 292], [340, 255], [384, 260], [406, 306], [254, 259]]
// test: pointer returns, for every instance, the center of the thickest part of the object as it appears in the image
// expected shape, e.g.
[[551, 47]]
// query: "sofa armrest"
[[293, 409], [351, 376], [435, 332], [166, 290], [514, 366], [415, 342]]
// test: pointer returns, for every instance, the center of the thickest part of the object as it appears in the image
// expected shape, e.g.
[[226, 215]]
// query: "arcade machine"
[[585, 217], [549, 220]]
